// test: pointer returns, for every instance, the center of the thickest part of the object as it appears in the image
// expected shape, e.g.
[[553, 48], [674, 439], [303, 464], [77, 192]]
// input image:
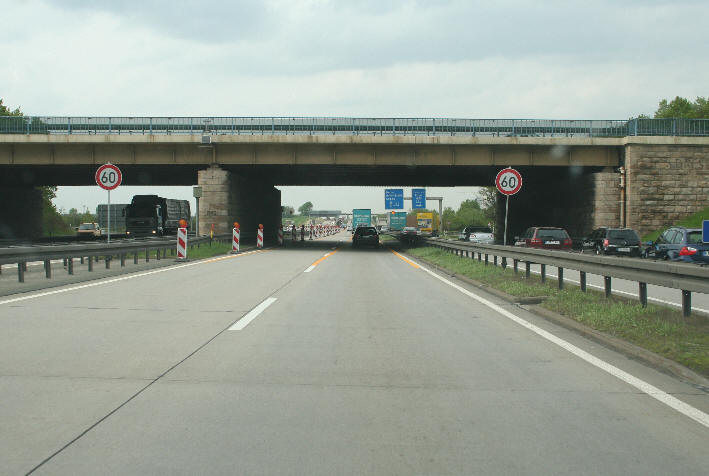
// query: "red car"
[[545, 237]]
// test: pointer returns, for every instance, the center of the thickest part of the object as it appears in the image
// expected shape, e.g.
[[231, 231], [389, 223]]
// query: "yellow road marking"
[[312, 266], [407, 260]]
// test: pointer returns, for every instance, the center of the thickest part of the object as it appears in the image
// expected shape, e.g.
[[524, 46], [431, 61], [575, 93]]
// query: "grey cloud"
[[291, 37]]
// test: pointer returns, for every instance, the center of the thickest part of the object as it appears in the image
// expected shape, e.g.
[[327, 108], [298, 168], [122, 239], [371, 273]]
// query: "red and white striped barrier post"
[[182, 243], [235, 238], [280, 236], [259, 237]]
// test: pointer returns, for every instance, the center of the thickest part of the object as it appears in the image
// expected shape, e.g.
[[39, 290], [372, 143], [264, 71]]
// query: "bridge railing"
[[352, 126], [669, 127]]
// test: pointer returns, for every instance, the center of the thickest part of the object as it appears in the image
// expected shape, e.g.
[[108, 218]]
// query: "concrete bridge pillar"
[[21, 213], [227, 197]]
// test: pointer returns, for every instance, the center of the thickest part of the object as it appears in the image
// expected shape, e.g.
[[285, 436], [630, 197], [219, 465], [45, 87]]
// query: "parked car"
[[680, 244], [365, 235], [481, 234], [88, 230], [606, 241], [479, 231], [545, 237]]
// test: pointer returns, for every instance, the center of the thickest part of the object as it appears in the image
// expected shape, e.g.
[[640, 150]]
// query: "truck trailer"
[[150, 215], [361, 217]]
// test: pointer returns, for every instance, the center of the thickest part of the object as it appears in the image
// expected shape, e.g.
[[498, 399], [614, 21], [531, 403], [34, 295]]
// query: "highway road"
[[320, 360]]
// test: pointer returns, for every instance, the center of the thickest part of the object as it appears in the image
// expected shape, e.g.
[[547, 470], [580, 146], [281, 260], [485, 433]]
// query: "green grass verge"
[[659, 329], [206, 251], [692, 221]]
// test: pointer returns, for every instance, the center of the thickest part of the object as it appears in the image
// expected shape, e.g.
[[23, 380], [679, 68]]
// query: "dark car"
[[545, 237], [365, 235], [607, 241], [680, 244], [410, 235]]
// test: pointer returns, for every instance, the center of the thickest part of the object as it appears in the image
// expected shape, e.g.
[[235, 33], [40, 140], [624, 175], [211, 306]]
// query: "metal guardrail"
[[352, 126], [25, 254], [686, 277]]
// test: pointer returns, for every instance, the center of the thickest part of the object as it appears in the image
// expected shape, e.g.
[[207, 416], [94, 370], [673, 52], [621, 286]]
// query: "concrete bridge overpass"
[[572, 169]]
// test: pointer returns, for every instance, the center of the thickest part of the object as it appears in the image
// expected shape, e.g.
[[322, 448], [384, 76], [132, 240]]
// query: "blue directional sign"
[[418, 198], [705, 231], [393, 198]]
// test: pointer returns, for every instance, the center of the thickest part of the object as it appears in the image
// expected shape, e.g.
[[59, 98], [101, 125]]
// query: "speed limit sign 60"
[[508, 181], [108, 177]]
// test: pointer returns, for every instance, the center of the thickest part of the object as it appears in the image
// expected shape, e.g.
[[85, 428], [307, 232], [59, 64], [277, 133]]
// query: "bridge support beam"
[[227, 197], [21, 213]]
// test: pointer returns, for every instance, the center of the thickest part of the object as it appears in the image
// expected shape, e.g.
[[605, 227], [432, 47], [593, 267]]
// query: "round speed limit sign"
[[508, 181], [108, 177]]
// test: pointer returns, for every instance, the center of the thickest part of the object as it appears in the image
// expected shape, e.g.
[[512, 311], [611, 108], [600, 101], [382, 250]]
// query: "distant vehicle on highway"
[[410, 234], [365, 235], [477, 234], [545, 237], [680, 244], [88, 230], [607, 241]]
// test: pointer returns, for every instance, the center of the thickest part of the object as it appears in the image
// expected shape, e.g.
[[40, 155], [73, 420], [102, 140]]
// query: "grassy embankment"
[[692, 221], [658, 329]]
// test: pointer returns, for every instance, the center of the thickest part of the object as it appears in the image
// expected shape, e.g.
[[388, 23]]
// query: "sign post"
[[508, 182], [108, 177], [197, 194]]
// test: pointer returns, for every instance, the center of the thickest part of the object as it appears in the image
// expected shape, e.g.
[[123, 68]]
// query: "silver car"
[[481, 234]]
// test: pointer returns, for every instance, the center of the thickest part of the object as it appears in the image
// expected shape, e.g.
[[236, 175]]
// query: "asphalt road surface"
[[314, 361]]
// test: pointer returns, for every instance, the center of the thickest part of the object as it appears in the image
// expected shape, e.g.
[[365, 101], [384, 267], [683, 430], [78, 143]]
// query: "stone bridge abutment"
[[655, 185]]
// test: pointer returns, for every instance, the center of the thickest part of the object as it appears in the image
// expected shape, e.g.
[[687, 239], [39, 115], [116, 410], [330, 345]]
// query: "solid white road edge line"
[[132, 276], [654, 392], [253, 314]]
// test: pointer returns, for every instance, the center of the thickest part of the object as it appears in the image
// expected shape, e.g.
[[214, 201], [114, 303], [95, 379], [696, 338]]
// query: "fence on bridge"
[[353, 126]]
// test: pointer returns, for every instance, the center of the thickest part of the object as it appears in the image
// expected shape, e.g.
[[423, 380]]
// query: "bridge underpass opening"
[[253, 195], [563, 196]]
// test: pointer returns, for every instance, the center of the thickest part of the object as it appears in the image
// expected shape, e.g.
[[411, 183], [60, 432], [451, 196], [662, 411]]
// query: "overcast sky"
[[374, 58]]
